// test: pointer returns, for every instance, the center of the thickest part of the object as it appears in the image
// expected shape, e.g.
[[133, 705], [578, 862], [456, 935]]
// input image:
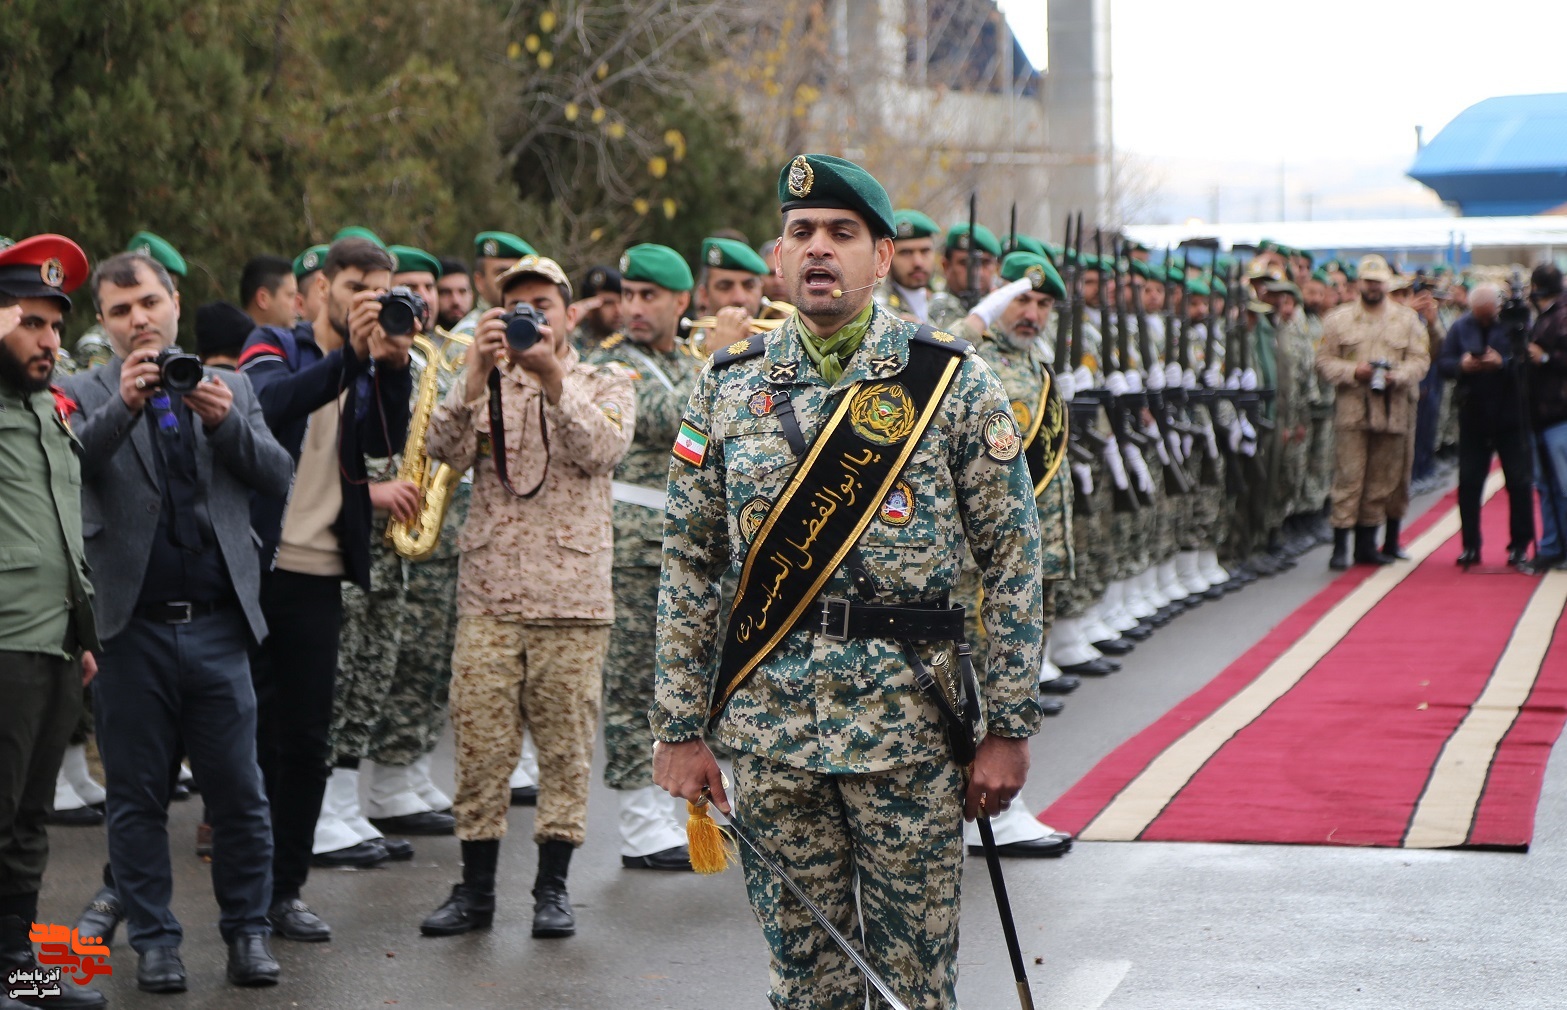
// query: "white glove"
[[1066, 383], [1248, 445], [992, 305], [1186, 446], [1234, 381], [1234, 438], [1113, 463], [1212, 441], [1173, 376], [1084, 378], [1152, 431], [1156, 379], [1213, 379], [1139, 468], [1248, 380], [1172, 438], [1115, 382], [1083, 477], [1189, 380]]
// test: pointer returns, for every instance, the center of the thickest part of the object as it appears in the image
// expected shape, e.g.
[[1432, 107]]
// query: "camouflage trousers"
[[1368, 467], [1094, 552], [394, 660], [628, 681], [1319, 466], [506, 676], [1287, 490], [889, 844]]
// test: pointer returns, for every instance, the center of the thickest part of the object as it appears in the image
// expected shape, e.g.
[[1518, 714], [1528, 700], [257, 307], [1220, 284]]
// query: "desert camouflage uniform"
[[844, 766], [639, 539], [533, 591]]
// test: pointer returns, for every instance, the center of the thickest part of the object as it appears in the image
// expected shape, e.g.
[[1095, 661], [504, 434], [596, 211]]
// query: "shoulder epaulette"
[[750, 347], [942, 339], [610, 341]]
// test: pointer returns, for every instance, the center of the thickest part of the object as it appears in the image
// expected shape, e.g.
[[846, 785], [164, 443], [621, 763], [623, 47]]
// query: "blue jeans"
[[1551, 479]]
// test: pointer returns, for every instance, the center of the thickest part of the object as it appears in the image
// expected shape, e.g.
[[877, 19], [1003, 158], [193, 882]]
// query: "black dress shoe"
[[161, 970], [398, 850], [524, 796], [180, 792], [1115, 646], [78, 817], [676, 858], [1138, 632], [1517, 558], [251, 961], [1052, 846], [101, 917], [1471, 556], [1540, 565], [1214, 592], [361, 856], [1049, 704], [292, 919], [1092, 668], [426, 822], [1064, 684]]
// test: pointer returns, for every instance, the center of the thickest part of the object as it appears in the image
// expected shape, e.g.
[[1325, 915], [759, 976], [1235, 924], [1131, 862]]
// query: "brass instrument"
[[774, 314], [416, 540]]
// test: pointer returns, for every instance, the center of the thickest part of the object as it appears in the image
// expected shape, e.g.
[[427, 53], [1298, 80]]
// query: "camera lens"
[[397, 316], [522, 327], [180, 373]]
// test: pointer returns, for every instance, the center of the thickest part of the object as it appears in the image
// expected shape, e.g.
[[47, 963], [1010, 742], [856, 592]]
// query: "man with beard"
[[731, 289], [968, 265], [334, 390], [46, 609], [453, 293], [905, 291], [1374, 353], [656, 285]]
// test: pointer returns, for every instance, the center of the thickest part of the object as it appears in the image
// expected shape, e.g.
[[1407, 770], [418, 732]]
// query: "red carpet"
[[1414, 706]]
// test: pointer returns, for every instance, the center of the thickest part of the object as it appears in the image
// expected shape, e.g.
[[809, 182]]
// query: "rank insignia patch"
[[783, 371], [801, 177], [884, 366], [1002, 442], [760, 404], [752, 514], [691, 444], [611, 411], [897, 509], [882, 413]]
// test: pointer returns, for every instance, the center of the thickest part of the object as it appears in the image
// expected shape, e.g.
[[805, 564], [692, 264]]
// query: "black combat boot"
[[472, 904], [552, 915], [1392, 550], [1366, 552], [1340, 559], [16, 955]]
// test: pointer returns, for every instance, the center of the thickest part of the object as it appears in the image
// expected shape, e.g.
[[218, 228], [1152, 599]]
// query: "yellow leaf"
[[657, 167], [595, 234], [640, 206], [598, 115], [674, 137], [603, 71], [615, 130], [571, 111], [513, 51], [547, 21], [669, 208], [545, 59], [532, 42]]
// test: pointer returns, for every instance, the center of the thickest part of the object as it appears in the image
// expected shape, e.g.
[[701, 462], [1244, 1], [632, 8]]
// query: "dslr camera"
[[1379, 370], [401, 311], [522, 326], [178, 372]]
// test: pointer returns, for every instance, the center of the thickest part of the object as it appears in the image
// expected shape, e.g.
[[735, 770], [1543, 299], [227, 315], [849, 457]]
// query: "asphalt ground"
[[1119, 926]]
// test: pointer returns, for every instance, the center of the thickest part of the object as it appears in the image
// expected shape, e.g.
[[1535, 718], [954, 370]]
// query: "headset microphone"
[[840, 292]]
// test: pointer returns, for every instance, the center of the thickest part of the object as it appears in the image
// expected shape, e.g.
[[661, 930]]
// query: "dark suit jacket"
[[121, 493]]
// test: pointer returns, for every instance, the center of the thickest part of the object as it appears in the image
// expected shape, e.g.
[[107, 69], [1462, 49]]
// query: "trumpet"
[[774, 314]]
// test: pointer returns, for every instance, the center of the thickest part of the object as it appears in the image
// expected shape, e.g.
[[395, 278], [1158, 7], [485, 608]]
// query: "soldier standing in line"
[[1295, 396], [656, 285], [494, 253], [905, 291], [844, 770], [968, 265], [731, 286]]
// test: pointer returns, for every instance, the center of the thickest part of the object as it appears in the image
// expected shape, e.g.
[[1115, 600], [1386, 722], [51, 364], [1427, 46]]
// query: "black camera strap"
[[498, 438]]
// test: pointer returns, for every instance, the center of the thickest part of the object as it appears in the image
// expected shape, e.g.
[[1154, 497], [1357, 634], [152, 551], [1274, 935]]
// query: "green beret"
[[358, 231], [408, 260], [1351, 271], [1056, 254], [1036, 268], [309, 261], [1143, 269], [727, 254], [1320, 275], [913, 224], [957, 238], [1177, 262], [1198, 286], [1441, 269], [1217, 287], [1285, 288], [1268, 245], [820, 180], [148, 244], [1028, 244], [656, 264], [501, 245]]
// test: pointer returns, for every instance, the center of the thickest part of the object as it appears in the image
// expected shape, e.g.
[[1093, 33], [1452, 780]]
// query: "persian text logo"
[[62, 954]]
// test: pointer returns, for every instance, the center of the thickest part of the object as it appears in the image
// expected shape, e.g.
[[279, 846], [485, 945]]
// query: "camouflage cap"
[[309, 261], [501, 245], [728, 254], [1037, 269], [657, 264], [1373, 268], [984, 238], [408, 260], [148, 244], [913, 224], [820, 180], [535, 266]]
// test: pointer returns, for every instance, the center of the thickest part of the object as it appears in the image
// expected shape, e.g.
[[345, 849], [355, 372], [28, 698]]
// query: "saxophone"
[[416, 540]]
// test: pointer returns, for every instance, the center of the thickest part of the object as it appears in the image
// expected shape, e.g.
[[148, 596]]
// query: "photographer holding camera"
[[543, 433], [334, 390], [170, 458], [1374, 353]]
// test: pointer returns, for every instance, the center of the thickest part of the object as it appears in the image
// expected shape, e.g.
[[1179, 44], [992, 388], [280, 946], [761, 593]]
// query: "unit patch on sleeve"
[[691, 444], [897, 509], [1002, 442]]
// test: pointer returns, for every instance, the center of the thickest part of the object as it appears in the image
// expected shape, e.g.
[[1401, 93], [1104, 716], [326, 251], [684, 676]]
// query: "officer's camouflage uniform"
[[947, 311], [1297, 393], [639, 538], [837, 734], [1319, 458]]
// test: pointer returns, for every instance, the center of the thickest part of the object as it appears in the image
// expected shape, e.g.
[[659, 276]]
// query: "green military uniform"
[[948, 308], [663, 383], [843, 770], [908, 304], [1319, 459], [1297, 395]]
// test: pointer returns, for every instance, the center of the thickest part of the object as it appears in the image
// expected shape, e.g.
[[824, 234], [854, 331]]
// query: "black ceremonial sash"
[[1044, 446], [848, 471]]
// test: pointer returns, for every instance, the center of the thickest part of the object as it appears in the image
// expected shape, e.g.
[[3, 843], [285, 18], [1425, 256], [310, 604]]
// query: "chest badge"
[[1023, 414], [760, 404], [897, 509], [783, 372], [1002, 442], [884, 366], [882, 413]]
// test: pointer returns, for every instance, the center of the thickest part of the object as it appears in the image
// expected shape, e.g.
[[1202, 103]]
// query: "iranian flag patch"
[[691, 444]]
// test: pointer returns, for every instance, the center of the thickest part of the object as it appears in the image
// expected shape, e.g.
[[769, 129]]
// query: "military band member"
[[453, 293], [656, 286], [905, 291], [843, 769], [968, 265], [494, 253], [731, 289]]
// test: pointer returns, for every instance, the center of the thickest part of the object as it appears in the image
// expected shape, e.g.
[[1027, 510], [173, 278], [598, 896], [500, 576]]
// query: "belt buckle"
[[189, 608], [827, 632]]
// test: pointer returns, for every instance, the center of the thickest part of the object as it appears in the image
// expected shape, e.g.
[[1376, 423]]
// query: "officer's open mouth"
[[818, 277]]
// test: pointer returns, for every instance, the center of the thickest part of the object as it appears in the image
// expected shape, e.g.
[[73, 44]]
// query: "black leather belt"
[[843, 619], [179, 611]]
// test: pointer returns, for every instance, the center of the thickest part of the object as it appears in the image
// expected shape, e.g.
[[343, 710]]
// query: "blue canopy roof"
[[1505, 156]]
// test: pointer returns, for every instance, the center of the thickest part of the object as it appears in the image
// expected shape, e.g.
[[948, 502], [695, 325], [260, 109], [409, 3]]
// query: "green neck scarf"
[[829, 354]]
